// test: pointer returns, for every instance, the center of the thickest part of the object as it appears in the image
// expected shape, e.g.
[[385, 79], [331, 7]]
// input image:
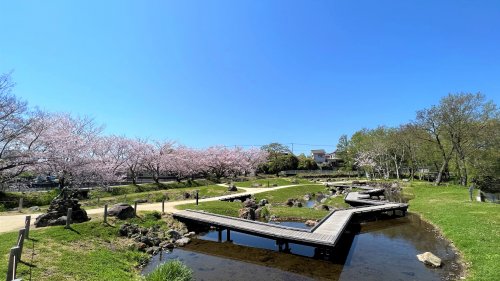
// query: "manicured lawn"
[[298, 192], [157, 196], [276, 198], [474, 227], [216, 207], [270, 182], [92, 251]]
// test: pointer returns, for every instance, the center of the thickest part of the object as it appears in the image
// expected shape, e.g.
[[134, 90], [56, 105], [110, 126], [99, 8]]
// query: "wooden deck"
[[326, 234]]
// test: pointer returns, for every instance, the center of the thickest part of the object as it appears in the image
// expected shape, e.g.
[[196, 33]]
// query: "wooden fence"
[[15, 256]]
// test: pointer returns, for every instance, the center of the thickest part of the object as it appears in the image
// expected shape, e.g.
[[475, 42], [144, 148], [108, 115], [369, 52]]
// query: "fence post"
[[20, 204], [27, 224], [13, 261], [20, 242], [68, 218], [196, 197], [163, 206], [106, 213], [135, 208]]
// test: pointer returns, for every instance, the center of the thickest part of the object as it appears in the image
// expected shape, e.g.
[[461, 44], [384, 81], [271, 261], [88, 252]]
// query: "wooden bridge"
[[324, 235]]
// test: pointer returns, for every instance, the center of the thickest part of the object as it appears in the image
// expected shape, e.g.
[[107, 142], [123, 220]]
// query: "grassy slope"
[[473, 227]]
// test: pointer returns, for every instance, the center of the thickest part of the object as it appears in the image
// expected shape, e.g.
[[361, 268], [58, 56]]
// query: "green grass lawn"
[[92, 251], [276, 198], [474, 227], [157, 196], [269, 182]]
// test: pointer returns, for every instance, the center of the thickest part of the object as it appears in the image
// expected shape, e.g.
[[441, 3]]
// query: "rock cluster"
[[152, 240], [292, 202], [251, 210], [58, 209]]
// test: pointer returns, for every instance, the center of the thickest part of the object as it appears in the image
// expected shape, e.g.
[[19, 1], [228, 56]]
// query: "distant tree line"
[[460, 135]]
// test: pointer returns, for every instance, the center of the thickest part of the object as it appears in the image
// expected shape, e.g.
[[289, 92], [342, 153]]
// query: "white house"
[[318, 155]]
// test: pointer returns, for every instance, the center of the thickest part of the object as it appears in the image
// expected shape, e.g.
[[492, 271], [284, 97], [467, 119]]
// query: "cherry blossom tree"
[[69, 146], [155, 158]]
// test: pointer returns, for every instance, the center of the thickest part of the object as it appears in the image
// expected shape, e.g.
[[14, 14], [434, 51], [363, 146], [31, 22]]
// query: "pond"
[[380, 250]]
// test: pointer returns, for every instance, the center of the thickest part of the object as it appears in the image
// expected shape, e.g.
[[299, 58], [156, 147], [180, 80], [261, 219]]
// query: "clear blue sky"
[[248, 72]]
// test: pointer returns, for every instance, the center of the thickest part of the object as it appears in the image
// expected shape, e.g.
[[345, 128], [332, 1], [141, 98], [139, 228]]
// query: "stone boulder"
[[174, 234], [182, 242], [297, 204], [250, 203], [429, 258], [307, 197], [322, 207], [34, 209], [263, 202], [232, 187], [289, 202], [246, 213], [310, 222], [122, 211]]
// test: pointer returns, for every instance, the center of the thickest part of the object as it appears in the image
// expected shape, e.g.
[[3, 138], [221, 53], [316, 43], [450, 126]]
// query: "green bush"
[[2, 208], [173, 270]]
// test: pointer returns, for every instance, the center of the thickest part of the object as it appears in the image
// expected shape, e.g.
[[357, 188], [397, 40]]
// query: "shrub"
[[155, 215], [173, 270]]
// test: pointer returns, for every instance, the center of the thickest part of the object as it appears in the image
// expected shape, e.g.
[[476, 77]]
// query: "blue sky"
[[248, 72]]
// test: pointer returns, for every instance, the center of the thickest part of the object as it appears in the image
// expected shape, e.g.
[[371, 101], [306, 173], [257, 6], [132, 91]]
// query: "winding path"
[[15, 222]]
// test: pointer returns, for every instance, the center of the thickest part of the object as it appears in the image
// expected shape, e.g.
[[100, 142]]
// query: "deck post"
[[280, 245], [219, 234], [287, 247], [163, 206], [228, 235], [106, 213], [27, 223]]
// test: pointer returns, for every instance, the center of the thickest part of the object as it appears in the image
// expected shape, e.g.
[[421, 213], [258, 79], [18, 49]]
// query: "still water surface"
[[380, 250]]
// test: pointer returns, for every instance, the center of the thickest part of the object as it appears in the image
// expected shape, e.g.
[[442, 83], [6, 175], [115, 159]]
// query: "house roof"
[[318, 151]]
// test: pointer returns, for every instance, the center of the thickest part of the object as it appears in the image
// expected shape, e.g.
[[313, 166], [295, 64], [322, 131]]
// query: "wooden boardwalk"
[[325, 234]]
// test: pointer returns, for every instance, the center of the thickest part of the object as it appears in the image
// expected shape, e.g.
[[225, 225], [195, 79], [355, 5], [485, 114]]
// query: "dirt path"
[[14, 222]]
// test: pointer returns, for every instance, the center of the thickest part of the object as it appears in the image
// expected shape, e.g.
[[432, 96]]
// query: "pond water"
[[380, 250]]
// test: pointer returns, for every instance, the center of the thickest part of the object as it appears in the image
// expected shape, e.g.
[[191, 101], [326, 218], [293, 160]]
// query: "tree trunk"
[[439, 177], [133, 176]]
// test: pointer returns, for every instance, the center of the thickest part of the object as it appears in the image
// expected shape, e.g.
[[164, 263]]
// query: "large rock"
[[322, 207], [263, 202], [182, 242], [307, 197], [250, 203], [246, 213], [311, 222], [122, 211], [429, 259], [58, 209], [232, 187], [174, 234]]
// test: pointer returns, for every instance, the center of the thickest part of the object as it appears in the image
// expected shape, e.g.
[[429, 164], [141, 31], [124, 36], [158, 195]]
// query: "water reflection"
[[380, 250]]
